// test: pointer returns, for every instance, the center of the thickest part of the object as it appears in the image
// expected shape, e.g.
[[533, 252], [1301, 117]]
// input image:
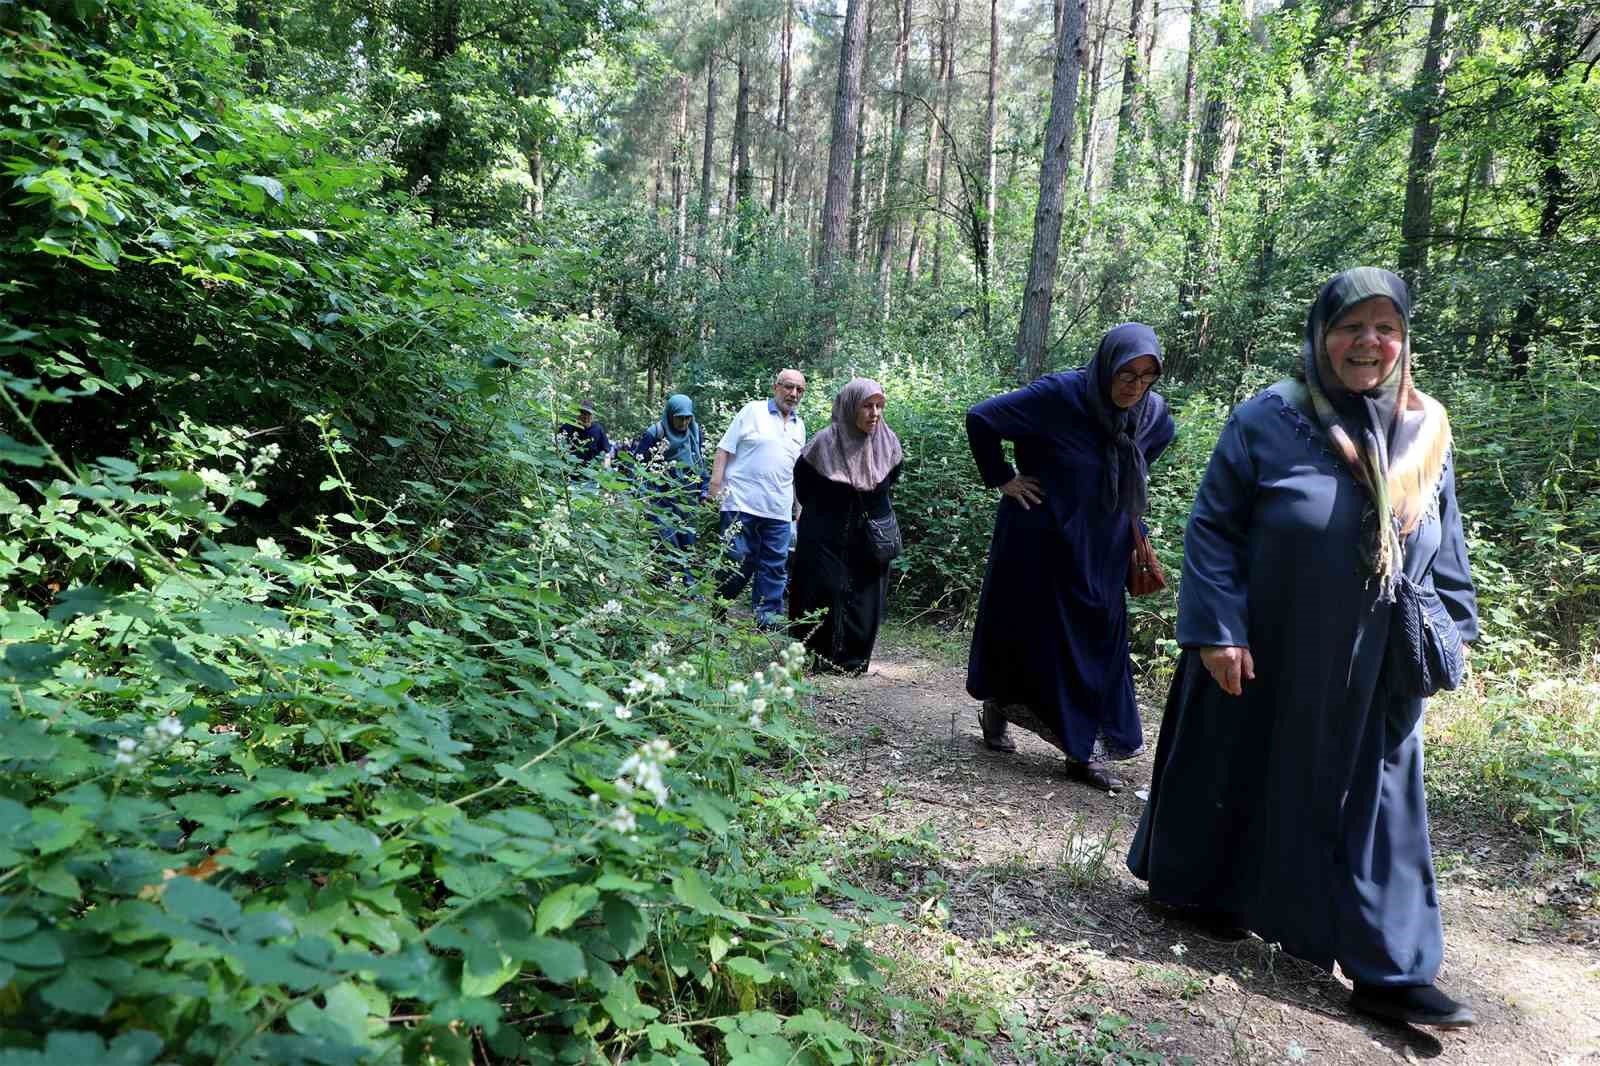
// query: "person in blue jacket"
[[1050, 646], [676, 477], [587, 438], [1286, 796]]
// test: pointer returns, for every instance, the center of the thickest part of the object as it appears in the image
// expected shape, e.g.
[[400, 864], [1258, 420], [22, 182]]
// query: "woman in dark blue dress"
[[675, 476], [1287, 796], [1050, 647]]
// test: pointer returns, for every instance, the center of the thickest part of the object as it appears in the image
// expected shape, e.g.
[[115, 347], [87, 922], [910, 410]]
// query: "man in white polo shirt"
[[753, 476]]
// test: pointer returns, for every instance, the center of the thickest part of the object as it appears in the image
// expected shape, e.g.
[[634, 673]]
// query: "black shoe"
[[1095, 774], [1412, 1005], [993, 722]]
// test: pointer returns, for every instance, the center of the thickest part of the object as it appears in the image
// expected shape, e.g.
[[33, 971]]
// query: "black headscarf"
[[1124, 428]]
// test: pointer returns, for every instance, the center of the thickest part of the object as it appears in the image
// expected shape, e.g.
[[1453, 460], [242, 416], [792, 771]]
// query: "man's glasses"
[[1128, 377]]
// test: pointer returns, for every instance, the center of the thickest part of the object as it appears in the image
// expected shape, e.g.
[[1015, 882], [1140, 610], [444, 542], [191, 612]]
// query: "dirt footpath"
[[1017, 884]]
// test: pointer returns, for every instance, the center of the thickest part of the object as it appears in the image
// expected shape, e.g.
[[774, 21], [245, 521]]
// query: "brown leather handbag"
[[1145, 575]]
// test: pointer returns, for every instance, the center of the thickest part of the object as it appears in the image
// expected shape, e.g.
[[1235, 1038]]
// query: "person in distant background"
[[753, 478], [587, 439], [674, 446], [844, 477]]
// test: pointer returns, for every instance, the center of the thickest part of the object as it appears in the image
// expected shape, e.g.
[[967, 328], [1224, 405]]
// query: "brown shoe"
[[993, 722], [1093, 773]]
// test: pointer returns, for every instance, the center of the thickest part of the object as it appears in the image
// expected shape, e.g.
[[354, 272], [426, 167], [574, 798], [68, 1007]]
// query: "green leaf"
[[202, 904], [73, 603], [745, 966], [26, 663], [625, 925], [77, 994], [564, 906], [559, 960], [57, 881], [18, 454], [271, 186]]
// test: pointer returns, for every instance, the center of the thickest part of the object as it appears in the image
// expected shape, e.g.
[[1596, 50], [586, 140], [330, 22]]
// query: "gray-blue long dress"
[[1297, 809]]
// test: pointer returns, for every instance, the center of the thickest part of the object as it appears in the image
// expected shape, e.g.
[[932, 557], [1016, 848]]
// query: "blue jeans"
[[757, 552]]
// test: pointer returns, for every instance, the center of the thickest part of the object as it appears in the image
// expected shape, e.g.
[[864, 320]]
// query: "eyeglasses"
[[1128, 377]]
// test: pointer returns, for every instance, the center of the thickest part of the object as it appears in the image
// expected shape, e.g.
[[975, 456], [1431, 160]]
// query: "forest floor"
[[1025, 926]]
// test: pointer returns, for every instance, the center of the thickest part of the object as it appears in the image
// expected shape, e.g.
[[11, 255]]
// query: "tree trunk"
[[914, 253], [991, 129], [948, 77], [846, 116], [1033, 330], [708, 145], [680, 166], [743, 176], [1555, 188], [1186, 168], [781, 126], [1416, 222], [891, 184], [1127, 110], [1091, 139]]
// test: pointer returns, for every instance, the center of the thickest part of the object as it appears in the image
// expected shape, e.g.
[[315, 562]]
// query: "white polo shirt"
[[759, 479]]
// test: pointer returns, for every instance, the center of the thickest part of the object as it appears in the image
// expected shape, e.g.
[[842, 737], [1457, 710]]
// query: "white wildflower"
[[787, 692], [657, 684], [611, 607], [593, 705], [170, 727], [622, 712], [660, 649], [126, 747], [756, 721], [758, 707], [635, 687], [622, 820], [759, 678], [1180, 950], [445, 525], [642, 770], [738, 689]]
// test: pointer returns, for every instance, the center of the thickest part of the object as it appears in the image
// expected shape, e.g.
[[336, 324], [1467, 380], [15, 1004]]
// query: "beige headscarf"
[[841, 452]]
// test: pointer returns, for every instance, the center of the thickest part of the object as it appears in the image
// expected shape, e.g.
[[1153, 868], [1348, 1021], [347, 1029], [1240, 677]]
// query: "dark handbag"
[[1145, 575], [1424, 652], [883, 538]]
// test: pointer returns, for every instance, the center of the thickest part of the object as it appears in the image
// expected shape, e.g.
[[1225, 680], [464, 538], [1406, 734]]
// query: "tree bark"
[[743, 176], [1034, 328], [779, 202], [991, 129], [1127, 108], [846, 116], [914, 252], [1091, 140], [708, 145], [886, 211], [680, 166], [858, 184], [1416, 221], [948, 35], [1186, 167]]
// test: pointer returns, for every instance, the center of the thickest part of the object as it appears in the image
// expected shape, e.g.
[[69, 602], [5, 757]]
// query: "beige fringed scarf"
[[1395, 439]]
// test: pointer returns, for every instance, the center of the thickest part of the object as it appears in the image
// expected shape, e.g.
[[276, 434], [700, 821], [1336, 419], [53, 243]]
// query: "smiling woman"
[[1287, 793]]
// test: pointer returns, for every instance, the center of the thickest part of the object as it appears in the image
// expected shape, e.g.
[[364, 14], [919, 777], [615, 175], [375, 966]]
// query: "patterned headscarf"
[[1394, 439], [841, 452], [1125, 429]]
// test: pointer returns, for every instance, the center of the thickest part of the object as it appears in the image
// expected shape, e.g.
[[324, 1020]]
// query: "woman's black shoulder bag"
[[1424, 652]]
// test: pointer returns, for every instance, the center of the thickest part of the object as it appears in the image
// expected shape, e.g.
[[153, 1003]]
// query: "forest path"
[[1019, 879]]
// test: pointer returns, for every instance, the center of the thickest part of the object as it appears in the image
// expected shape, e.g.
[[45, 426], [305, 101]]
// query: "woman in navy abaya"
[[1050, 647], [1286, 796]]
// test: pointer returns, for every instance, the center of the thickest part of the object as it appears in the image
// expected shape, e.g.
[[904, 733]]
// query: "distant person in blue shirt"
[[753, 478], [587, 439]]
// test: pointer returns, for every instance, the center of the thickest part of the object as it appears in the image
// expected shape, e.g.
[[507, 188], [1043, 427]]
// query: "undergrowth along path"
[[1017, 894]]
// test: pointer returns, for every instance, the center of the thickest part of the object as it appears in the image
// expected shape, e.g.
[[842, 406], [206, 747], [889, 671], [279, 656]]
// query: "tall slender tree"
[[1416, 221], [1039, 292], [841, 153]]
